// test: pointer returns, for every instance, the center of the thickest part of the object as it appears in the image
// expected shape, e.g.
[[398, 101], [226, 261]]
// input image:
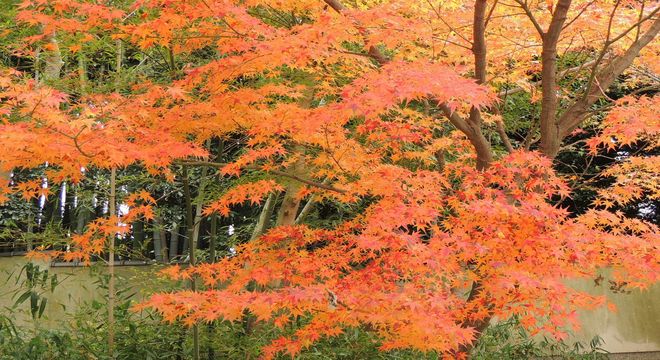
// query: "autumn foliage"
[[396, 104]]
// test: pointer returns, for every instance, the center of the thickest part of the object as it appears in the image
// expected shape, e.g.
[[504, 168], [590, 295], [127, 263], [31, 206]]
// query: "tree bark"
[[213, 234], [119, 60], [199, 204], [550, 139], [83, 214], [373, 51], [479, 49], [174, 241], [576, 112], [52, 206], [291, 202], [158, 240], [82, 72], [264, 217], [306, 209], [472, 126], [111, 266], [191, 242], [52, 59], [138, 237]]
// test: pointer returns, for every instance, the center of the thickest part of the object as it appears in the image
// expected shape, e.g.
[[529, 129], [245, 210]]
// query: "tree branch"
[[575, 113], [473, 129], [578, 15], [531, 17], [505, 138], [560, 75], [373, 51], [274, 172]]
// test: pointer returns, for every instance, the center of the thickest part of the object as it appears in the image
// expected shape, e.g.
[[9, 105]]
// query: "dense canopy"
[[439, 123]]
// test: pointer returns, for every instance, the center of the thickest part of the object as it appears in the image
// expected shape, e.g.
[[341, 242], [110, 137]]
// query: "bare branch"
[[505, 138], [561, 75], [451, 28], [578, 15], [575, 113], [373, 51], [490, 13], [531, 17]]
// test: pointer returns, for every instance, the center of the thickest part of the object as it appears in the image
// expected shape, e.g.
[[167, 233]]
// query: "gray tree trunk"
[[174, 241]]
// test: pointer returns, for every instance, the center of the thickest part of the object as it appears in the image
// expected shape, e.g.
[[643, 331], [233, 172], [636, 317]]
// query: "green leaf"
[[34, 303], [53, 283], [42, 307], [22, 298]]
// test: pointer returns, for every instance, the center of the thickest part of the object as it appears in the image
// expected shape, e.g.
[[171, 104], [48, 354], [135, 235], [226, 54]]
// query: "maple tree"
[[400, 104]]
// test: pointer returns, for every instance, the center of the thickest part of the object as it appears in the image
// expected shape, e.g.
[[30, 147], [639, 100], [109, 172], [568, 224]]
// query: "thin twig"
[[274, 172]]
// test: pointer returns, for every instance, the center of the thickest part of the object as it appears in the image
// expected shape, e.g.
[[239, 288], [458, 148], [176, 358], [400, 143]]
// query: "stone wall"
[[634, 328]]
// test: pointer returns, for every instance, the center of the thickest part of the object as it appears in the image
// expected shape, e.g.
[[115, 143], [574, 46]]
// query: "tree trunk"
[[30, 232], [185, 247], [264, 217], [191, 251], [213, 233], [138, 237], [199, 206], [174, 241], [118, 63], [481, 145], [550, 140], [83, 214], [68, 208], [52, 59], [290, 204], [82, 73], [52, 206], [111, 266], [163, 244], [37, 62], [157, 241], [160, 240], [306, 209]]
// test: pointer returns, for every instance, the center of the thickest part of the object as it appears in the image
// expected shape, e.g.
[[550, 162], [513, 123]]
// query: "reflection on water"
[[634, 327]]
